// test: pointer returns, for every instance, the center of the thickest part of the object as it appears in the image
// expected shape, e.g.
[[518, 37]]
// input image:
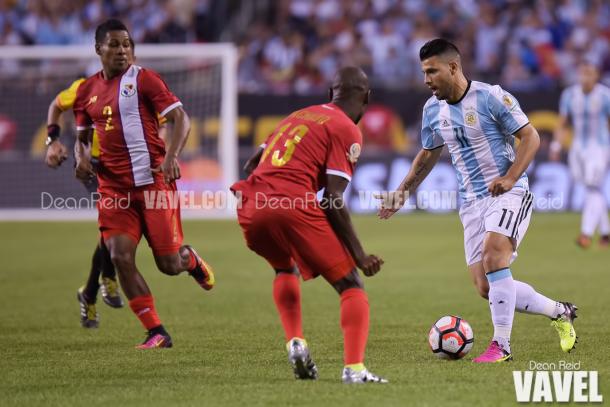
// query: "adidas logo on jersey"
[[445, 123]]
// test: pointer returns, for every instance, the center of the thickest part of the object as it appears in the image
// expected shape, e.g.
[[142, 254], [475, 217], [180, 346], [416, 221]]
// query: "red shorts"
[[288, 236], [150, 210]]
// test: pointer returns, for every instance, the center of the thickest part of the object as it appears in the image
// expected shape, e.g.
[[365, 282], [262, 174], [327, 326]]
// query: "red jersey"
[[122, 110], [305, 146]]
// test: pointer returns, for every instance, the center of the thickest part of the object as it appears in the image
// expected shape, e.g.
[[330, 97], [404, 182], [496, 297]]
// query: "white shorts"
[[508, 214], [588, 165]]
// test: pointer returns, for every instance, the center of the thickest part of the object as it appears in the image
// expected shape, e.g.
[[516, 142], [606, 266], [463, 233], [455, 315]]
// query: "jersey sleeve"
[[155, 90], [344, 149], [429, 138], [81, 117], [564, 103], [505, 110], [161, 120], [65, 99]]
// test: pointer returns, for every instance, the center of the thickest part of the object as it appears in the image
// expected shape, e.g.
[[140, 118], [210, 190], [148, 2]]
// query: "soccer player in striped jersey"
[[587, 106], [479, 123], [120, 102], [100, 263]]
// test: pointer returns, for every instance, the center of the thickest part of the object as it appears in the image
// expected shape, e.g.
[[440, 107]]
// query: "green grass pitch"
[[228, 343]]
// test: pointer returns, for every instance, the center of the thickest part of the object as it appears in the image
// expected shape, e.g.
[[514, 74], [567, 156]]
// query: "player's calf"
[[497, 251], [479, 279], [123, 260], [482, 289], [171, 265]]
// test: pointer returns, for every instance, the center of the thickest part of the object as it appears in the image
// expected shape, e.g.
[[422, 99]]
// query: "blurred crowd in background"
[[295, 46]]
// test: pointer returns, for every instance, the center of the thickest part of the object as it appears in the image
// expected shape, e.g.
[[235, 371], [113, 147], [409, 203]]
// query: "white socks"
[[595, 212], [502, 298], [531, 302]]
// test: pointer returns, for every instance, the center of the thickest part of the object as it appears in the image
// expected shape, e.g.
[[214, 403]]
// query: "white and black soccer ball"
[[451, 337]]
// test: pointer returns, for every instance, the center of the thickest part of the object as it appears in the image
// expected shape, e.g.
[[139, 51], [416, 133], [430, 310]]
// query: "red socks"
[[287, 296], [354, 315], [144, 308], [355, 324]]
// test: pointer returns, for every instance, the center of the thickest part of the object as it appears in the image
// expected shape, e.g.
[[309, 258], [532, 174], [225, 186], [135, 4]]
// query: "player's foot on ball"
[[155, 340], [564, 324], [298, 355], [110, 293], [583, 241], [88, 313], [604, 242], [351, 376], [202, 273], [493, 354]]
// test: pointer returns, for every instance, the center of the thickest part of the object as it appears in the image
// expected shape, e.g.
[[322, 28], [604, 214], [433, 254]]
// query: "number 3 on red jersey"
[[295, 135]]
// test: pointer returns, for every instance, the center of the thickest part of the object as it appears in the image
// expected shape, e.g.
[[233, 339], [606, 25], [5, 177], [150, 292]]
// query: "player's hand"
[[84, 169], [391, 202], [170, 169], [369, 264], [501, 185], [56, 154]]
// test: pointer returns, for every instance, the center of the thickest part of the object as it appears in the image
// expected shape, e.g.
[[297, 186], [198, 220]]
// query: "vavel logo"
[[545, 383]]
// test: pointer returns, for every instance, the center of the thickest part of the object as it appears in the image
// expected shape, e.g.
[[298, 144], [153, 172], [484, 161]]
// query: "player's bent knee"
[[493, 259], [169, 266], [123, 261], [352, 280]]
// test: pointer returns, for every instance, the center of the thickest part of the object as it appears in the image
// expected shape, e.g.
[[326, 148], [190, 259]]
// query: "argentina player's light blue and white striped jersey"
[[479, 132], [589, 114]]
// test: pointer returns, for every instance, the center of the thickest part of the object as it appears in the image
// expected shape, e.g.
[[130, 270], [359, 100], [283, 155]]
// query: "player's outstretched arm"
[[339, 219], [82, 152], [253, 161], [391, 202], [529, 143], [177, 140], [559, 135], [56, 153]]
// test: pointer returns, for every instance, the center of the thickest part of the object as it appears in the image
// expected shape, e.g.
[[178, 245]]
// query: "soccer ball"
[[451, 337]]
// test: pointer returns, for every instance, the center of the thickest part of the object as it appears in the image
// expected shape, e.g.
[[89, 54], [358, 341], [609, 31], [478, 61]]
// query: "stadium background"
[[288, 51]]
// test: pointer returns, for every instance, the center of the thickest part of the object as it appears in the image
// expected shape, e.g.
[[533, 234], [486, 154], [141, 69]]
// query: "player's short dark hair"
[[438, 46], [109, 25]]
